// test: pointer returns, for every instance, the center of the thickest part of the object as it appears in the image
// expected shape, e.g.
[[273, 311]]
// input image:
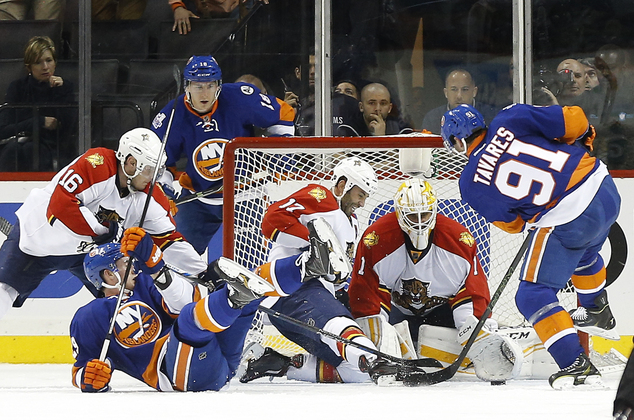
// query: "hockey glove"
[[110, 236], [96, 376], [138, 244], [495, 357], [172, 195], [588, 138]]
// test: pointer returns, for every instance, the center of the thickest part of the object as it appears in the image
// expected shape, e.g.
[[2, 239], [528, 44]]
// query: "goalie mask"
[[357, 172], [416, 208], [457, 125], [202, 69], [145, 146]]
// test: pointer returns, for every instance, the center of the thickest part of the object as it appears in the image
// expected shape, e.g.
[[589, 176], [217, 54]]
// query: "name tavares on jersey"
[[491, 154]]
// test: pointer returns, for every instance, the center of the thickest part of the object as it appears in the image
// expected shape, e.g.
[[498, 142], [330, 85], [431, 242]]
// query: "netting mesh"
[[265, 176]]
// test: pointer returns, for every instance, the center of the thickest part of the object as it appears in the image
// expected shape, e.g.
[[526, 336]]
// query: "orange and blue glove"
[[137, 243], [96, 376], [588, 138]]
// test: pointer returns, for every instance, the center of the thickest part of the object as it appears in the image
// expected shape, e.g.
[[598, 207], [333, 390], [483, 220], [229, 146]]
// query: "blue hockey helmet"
[[458, 124], [101, 258], [203, 68]]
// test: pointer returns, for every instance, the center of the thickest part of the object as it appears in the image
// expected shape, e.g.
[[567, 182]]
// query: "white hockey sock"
[[7, 295], [308, 371], [349, 329]]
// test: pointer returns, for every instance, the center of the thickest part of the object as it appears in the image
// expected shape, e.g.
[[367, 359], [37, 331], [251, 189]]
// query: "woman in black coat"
[[19, 125]]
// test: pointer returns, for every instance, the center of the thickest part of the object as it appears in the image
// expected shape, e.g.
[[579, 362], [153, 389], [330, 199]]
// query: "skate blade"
[[251, 351], [388, 380], [568, 383], [254, 282], [338, 258], [600, 332]]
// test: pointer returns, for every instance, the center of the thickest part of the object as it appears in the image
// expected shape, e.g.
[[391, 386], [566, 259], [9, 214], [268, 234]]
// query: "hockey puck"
[[498, 383]]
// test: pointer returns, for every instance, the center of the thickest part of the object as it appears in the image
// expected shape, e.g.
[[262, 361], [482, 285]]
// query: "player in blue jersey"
[[165, 335], [530, 170], [206, 117]]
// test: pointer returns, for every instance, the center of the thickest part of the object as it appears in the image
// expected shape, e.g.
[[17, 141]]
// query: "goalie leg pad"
[[382, 334]]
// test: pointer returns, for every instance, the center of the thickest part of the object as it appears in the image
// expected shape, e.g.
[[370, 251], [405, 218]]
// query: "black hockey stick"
[[157, 168], [403, 362], [197, 195], [5, 226], [430, 378], [209, 191]]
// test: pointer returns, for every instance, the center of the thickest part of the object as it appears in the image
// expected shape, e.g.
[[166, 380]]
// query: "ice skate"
[[582, 371], [325, 257], [268, 362], [596, 321], [244, 285]]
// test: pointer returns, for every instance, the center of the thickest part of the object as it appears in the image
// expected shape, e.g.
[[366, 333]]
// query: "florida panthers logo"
[[414, 297], [107, 215], [136, 324], [207, 159]]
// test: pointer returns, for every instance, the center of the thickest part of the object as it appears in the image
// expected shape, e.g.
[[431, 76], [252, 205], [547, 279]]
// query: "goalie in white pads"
[[308, 215], [419, 266]]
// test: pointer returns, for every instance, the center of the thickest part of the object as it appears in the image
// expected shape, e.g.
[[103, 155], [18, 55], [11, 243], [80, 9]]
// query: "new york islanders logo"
[[136, 324], [207, 159]]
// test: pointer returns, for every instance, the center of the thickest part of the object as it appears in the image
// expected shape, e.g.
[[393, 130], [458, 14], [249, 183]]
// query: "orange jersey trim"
[[534, 255]]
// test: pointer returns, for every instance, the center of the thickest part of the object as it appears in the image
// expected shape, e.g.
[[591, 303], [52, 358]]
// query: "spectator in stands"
[[18, 126], [575, 87], [205, 9], [118, 10], [375, 111], [460, 88], [254, 80], [302, 97], [595, 89], [42, 9], [348, 87]]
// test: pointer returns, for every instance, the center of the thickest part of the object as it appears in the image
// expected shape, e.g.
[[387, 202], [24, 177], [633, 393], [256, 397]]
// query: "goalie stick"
[[411, 363], [430, 378]]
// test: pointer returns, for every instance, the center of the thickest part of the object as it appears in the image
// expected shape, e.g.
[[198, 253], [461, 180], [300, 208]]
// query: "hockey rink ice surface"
[[42, 391]]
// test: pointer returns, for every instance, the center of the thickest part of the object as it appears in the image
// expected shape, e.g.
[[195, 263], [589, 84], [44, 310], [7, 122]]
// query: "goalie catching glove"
[[495, 357], [96, 375], [137, 243]]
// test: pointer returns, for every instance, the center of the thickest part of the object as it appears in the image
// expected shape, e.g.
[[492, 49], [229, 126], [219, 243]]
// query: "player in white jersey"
[[287, 224], [422, 267], [88, 203]]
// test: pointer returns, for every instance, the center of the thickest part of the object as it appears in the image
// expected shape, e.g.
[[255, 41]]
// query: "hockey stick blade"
[[5, 226], [431, 378], [413, 363]]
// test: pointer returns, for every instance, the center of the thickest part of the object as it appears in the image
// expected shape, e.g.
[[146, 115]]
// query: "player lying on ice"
[[165, 335], [496, 357]]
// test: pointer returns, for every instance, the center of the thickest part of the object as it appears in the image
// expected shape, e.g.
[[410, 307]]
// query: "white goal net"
[[265, 170]]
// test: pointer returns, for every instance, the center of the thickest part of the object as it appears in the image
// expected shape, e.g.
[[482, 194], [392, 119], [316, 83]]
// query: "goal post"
[[260, 171]]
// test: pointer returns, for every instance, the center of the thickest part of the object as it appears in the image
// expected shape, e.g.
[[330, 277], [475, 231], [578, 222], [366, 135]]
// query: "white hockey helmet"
[[416, 208], [357, 172], [145, 146]]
